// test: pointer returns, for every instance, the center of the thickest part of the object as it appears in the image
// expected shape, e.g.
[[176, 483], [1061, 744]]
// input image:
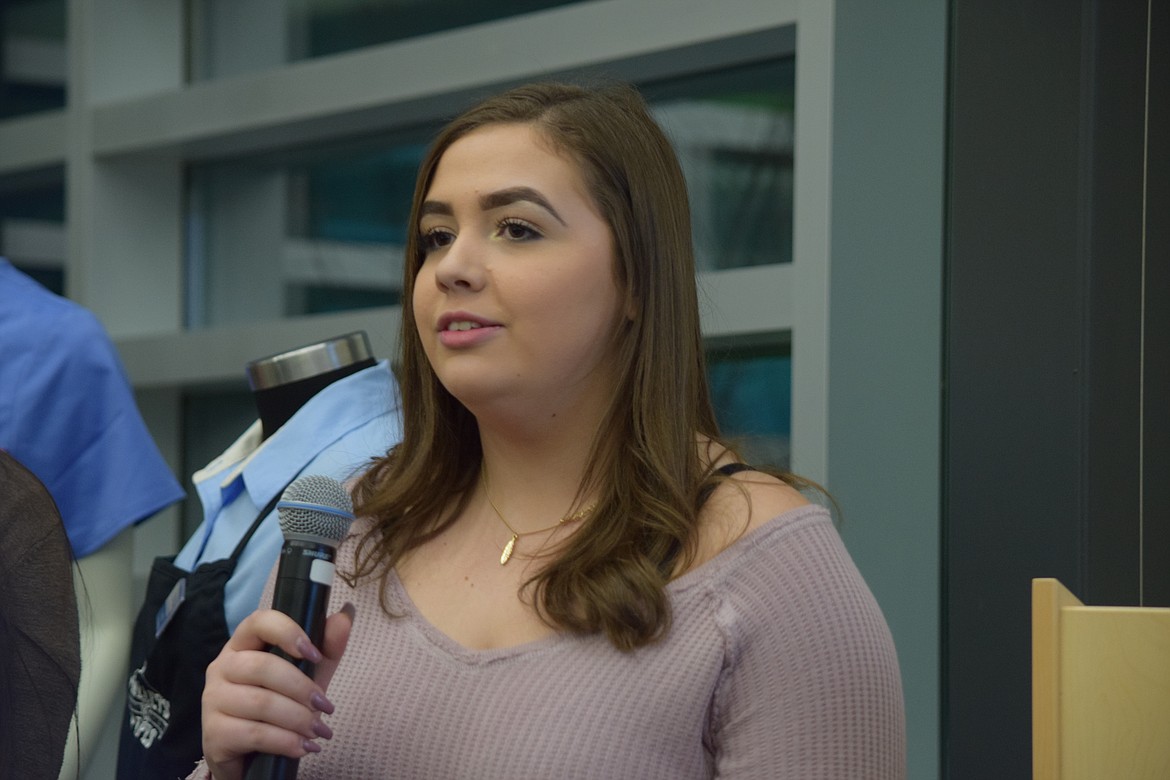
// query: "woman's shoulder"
[[804, 639], [788, 575], [740, 505]]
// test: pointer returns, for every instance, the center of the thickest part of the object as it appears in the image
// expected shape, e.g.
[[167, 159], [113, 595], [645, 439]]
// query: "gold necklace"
[[511, 545]]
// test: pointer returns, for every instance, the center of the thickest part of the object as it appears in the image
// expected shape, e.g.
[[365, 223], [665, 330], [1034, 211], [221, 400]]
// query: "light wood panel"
[[1100, 687]]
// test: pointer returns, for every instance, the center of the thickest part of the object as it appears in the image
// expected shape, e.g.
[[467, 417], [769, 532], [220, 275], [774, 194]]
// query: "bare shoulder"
[[740, 504]]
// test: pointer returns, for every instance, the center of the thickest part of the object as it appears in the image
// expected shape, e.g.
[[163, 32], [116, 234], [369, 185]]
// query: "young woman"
[[563, 570]]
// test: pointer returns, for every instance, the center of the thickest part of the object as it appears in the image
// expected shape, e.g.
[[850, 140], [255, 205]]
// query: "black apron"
[[180, 629]]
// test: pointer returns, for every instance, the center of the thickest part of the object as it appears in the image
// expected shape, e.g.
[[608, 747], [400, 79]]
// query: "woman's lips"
[[460, 329]]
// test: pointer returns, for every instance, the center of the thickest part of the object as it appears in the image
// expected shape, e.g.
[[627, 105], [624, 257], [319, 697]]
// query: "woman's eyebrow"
[[435, 207], [504, 197], [494, 200]]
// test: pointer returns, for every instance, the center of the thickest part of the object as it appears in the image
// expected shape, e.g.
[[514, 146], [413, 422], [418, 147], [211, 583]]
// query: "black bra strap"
[[733, 468], [727, 471]]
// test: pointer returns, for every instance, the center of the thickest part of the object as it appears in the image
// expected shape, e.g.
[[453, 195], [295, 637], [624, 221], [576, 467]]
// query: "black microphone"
[[315, 514]]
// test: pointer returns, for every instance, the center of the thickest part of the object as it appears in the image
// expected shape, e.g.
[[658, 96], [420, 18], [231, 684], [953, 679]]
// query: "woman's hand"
[[256, 702]]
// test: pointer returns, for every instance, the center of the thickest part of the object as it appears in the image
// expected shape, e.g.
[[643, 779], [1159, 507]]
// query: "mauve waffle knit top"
[[779, 664]]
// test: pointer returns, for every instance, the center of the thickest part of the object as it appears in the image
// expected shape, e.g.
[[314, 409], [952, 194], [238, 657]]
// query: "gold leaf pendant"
[[508, 549]]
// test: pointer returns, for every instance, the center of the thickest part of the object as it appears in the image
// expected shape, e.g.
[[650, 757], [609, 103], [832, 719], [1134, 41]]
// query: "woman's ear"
[[633, 307]]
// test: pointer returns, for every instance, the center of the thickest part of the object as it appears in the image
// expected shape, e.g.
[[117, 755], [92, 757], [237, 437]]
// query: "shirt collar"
[[267, 466]]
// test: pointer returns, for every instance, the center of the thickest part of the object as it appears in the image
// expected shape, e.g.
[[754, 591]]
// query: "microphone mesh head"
[[326, 516]]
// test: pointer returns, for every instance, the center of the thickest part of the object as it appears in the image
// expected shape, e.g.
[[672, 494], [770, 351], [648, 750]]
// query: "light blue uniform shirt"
[[335, 434], [67, 412]]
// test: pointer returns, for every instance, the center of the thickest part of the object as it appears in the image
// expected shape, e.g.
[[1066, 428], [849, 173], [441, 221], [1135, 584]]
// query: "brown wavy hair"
[[645, 463]]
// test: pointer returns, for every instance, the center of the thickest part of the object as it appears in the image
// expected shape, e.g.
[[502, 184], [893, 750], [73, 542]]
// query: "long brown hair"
[[646, 469]]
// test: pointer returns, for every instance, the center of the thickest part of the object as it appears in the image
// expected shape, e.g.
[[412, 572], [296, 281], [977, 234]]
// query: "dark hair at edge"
[[645, 462]]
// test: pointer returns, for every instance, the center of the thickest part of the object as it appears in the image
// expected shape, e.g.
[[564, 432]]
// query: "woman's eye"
[[436, 238], [517, 230]]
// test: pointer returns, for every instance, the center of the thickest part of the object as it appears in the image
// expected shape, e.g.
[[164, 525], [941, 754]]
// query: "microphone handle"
[[302, 593], [268, 767]]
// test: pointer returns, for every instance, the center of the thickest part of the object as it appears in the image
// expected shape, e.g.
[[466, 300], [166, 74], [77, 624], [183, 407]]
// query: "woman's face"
[[515, 300]]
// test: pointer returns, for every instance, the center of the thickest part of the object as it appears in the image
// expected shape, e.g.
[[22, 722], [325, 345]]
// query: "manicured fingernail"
[[310, 746], [322, 730], [320, 703], [350, 610], [307, 651]]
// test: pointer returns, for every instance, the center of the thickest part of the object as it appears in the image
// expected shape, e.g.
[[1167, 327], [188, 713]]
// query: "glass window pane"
[[301, 232], [751, 390], [321, 229], [32, 225], [230, 37], [733, 131], [32, 56]]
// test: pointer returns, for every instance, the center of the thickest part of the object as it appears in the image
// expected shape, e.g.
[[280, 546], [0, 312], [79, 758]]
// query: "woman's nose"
[[460, 266]]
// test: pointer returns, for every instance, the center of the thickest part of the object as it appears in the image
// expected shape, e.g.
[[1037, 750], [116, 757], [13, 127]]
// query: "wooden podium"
[[1100, 689]]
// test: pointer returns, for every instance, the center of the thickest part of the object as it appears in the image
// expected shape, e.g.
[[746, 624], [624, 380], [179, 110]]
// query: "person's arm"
[[105, 609], [812, 688]]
